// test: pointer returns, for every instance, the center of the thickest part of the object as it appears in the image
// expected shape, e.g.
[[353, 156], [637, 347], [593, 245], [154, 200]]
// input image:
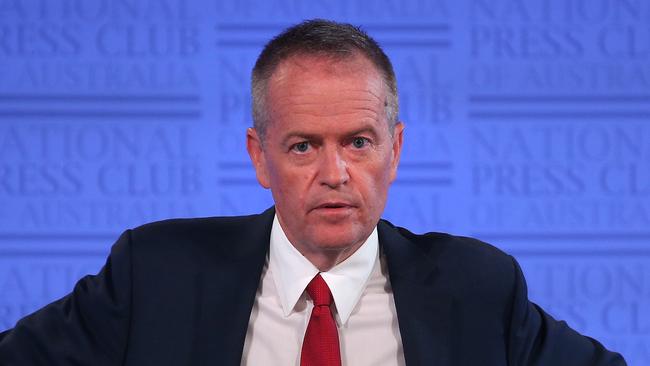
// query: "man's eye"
[[359, 142], [301, 147]]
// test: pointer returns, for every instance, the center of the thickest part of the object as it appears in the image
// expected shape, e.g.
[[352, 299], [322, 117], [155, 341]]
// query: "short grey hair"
[[319, 37]]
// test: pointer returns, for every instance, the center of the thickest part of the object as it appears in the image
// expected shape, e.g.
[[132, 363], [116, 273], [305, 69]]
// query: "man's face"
[[328, 156]]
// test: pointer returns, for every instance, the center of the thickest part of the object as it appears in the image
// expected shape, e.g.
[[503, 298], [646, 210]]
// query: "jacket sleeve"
[[537, 339], [89, 326]]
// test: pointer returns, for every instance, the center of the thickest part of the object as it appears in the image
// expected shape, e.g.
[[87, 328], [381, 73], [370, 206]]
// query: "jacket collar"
[[424, 307], [226, 289]]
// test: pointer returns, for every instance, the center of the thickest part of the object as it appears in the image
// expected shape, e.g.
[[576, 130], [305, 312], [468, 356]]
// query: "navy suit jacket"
[[180, 292]]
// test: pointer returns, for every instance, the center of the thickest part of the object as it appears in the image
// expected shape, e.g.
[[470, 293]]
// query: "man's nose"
[[333, 169]]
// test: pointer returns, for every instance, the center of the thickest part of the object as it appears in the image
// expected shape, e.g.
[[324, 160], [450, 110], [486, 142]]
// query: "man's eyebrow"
[[317, 137], [367, 129], [300, 135]]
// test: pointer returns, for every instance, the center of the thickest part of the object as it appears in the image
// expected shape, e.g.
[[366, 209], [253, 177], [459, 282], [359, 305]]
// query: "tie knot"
[[319, 291]]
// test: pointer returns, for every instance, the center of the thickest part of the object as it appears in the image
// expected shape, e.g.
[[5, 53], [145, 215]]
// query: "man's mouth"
[[333, 205], [334, 211]]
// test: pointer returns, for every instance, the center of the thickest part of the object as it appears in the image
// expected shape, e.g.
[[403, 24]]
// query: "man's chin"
[[337, 239], [335, 246]]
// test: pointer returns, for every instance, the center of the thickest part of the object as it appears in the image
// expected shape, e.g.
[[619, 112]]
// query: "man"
[[319, 279]]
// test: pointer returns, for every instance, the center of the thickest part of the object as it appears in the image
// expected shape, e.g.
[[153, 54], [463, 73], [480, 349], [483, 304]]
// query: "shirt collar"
[[292, 272]]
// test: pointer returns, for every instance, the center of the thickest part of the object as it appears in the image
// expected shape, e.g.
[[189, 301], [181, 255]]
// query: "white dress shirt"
[[364, 308]]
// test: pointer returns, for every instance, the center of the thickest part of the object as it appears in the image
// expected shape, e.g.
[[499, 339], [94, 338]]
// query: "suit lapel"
[[424, 307], [226, 286]]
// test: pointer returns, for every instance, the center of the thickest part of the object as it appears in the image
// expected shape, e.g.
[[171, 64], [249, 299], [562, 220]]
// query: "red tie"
[[321, 344]]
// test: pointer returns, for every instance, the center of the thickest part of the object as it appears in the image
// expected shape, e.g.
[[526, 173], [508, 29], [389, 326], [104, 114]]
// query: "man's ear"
[[256, 153], [398, 134]]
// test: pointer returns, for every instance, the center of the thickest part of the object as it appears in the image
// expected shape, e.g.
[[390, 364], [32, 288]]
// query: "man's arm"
[[538, 339], [89, 326]]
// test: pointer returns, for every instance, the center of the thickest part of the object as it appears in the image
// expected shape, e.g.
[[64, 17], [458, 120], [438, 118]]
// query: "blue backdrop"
[[527, 125]]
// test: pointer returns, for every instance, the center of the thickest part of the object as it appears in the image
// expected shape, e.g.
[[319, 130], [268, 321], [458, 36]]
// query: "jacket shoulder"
[[193, 227], [454, 247], [463, 260], [197, 238]]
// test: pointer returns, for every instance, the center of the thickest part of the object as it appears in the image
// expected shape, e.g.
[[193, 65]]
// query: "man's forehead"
[[321, 104], [311, 94], [307, 79], [323, 65]]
